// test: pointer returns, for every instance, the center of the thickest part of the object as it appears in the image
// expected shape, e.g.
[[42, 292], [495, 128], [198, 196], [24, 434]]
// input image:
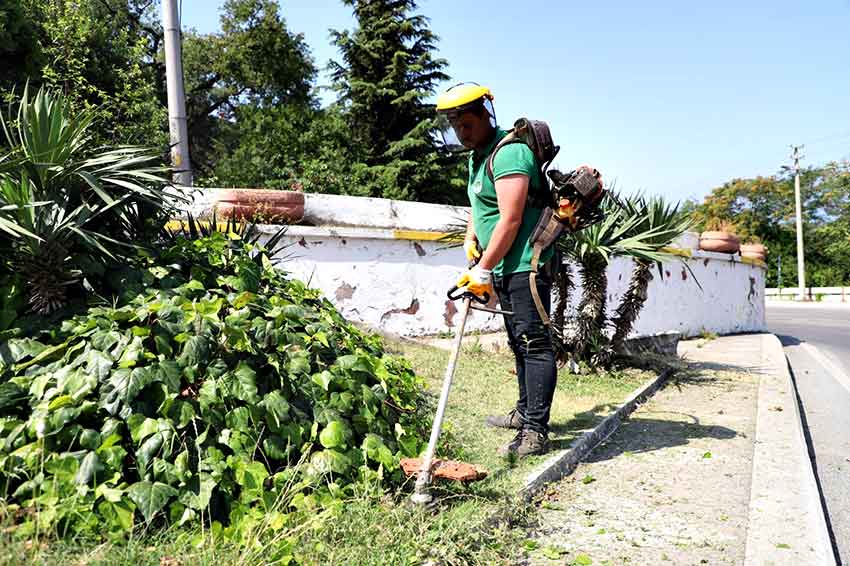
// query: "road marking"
[[836, 372]]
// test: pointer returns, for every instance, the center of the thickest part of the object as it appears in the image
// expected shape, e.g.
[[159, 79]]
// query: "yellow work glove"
[[470, 247], [477, 281]]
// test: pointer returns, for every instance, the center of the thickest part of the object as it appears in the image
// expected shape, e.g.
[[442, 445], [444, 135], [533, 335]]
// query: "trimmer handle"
[[454, 296]]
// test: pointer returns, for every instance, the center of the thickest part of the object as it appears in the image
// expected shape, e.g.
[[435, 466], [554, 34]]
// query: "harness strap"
[[547, 230], [532, 281]]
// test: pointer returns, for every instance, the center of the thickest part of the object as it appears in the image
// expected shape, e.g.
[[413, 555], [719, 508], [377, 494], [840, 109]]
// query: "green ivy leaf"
[[14, 350], [242, 299], [150, 498], [250, 475], [59, 402], [335, 434], [276, 448], [141, 427], [105, 340], [11, 395], [148, 450], [378, 451], [133, 353], [249, 276], [196, 351], [168, 372], [89, 468], [327, 461], [118, 513], [242, 383], [201, 499], [277, 408], [194, 285], [323, 379], [299, 362]]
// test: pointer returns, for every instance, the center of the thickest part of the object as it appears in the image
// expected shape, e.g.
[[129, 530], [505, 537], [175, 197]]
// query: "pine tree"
[[388, 70]]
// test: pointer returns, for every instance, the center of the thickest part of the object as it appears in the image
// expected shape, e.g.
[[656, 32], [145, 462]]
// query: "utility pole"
[[801, 264], [176, 97]]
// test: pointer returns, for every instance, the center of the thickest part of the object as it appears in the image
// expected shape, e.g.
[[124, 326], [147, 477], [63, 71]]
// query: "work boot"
[[510, 447], [533, 443], [511, 420]]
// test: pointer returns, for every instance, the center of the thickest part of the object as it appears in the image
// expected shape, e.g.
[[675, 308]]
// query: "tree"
[[253, 73], [662, 223], [762, 208], [19, 48], [387, 71], [624, 231], [101, 54]]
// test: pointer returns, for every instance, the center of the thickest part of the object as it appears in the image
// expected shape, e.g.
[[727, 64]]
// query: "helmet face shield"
[[460, 116], [448, 134], [488, 106], [452, 123]]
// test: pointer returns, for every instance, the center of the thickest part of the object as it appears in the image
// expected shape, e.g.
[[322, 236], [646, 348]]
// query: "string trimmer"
[[427, 468]]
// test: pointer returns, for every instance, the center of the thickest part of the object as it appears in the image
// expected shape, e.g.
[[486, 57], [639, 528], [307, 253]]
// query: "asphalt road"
[[817, 343]]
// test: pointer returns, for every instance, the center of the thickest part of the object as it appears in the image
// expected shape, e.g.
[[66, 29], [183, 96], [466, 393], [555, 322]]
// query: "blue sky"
[[669, 97]]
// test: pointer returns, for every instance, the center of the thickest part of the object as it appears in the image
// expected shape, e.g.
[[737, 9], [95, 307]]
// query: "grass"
[[483, 523], [484, 384]]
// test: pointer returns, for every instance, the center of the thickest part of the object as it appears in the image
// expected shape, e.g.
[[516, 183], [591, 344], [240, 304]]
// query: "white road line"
[[839, 374]]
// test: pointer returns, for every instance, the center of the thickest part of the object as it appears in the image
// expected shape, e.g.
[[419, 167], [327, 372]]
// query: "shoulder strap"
[[507, 140]]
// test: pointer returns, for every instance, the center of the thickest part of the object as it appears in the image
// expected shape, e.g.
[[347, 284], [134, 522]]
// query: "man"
[[501, 223]]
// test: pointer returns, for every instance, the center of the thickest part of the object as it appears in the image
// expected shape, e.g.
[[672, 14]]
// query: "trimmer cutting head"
[[445, 469]]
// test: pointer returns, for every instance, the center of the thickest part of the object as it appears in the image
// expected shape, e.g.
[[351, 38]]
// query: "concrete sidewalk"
[[712, 470]]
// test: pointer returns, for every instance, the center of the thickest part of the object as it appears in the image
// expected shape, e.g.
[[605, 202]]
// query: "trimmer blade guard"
[[445, 469]]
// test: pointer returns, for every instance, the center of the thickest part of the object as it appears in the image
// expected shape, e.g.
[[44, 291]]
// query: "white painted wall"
[[373, 278], [731, 299], [377, 261], [400, 285]]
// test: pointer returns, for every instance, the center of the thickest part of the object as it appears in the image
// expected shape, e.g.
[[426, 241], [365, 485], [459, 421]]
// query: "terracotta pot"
[[724, 242], [755, 251], [260, 205]]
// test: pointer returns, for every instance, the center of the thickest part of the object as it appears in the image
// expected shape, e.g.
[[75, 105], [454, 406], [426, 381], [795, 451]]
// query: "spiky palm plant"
[[665, 222], [65, 204], [618, 234]]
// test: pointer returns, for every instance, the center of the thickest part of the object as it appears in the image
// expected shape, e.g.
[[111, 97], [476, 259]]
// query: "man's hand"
[[477, 281], [470, 248]]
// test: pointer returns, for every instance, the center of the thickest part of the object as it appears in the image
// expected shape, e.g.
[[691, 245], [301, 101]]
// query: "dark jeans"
[[531, 343]]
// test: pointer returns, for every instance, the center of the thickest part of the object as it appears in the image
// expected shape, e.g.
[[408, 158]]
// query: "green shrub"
[[215, 386], [69, 207]]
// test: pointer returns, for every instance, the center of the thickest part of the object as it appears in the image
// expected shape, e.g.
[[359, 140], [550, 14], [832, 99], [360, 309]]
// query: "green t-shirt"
[[514, 158]]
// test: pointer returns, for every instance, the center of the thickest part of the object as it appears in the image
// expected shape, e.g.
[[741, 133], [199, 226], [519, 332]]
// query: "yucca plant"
[[620, 233], [664, 222], [66, 206]]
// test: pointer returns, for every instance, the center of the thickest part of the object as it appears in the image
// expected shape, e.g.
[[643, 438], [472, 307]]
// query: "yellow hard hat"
[[463, 95]]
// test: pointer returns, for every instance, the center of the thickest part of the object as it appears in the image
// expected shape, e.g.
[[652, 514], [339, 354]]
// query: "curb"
[[564, 462], [786, 522]]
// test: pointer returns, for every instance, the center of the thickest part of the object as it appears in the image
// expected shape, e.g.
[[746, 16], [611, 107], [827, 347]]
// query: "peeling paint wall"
[[731, 299], [378, 261], [397, 285], [400, 285]]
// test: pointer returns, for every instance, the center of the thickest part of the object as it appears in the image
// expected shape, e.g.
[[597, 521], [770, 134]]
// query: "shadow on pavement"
[[718, 366], [637, 435], [645, 435]]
